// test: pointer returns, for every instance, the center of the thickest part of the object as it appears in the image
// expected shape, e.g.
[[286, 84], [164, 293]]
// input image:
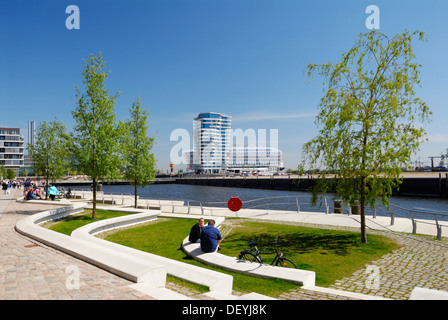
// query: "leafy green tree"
[[10, 174], [137, 160], [369, 119], [49, 153], [2, 171], [94, 141]]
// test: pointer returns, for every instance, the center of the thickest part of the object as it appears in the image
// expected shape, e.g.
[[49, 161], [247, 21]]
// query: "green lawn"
[[68, 224], [332, 254], [164, 237]]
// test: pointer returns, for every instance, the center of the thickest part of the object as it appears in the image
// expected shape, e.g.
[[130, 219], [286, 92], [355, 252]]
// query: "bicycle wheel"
[[285, 263], [249, 256]]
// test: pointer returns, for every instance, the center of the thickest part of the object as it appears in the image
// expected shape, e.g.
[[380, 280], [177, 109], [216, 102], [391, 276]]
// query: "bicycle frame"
[[257, 252]]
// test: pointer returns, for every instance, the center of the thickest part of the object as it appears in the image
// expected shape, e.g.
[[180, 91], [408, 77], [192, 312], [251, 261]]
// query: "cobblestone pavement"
[[421, 262], [30, 270]]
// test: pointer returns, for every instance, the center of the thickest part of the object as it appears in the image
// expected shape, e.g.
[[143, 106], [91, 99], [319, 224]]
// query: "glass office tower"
[[211, 141]]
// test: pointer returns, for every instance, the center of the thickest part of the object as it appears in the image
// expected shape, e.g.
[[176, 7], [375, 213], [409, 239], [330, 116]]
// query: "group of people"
[[208, 236], [8, 184], [33, 190]]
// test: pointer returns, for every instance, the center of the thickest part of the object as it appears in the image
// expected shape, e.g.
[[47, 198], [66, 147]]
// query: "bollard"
[[298, 205], [356, 209], [337, 206]]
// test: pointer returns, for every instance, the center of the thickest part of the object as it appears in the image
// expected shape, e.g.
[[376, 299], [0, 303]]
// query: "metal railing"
[[412, 214], [270, 204], [267, 204]]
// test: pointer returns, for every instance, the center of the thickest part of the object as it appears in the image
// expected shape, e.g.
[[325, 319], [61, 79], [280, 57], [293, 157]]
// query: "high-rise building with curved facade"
[[211, 142]]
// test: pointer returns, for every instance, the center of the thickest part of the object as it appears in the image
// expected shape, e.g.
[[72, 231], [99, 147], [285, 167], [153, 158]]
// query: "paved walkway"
[[31, 270]]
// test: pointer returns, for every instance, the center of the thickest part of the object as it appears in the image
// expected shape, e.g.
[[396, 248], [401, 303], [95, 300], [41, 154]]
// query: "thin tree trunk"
[[94, 199], [363, 211], [135, 193]]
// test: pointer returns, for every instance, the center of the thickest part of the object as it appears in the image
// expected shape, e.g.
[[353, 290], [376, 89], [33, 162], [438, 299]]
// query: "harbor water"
[[267, 199]]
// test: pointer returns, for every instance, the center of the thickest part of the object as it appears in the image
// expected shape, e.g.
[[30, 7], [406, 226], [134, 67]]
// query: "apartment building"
[[11, 148]]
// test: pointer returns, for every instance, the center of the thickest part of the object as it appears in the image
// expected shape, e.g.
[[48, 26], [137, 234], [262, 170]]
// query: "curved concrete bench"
[[119, 263], [215, 281], [301, 277], [428, 294]]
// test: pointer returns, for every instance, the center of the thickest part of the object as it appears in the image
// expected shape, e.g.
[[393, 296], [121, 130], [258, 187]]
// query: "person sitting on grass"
[[29, 194], [37, 192], [210, 237], [195, 232]]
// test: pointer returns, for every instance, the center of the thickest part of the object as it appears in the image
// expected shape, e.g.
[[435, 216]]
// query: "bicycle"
[[254, 255], [63, 193]]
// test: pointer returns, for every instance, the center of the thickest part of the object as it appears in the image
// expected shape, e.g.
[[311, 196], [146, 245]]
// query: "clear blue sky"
[[244, 58]]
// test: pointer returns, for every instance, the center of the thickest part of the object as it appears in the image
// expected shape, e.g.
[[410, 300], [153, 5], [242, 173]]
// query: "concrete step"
[[158, 293], [249, 296]]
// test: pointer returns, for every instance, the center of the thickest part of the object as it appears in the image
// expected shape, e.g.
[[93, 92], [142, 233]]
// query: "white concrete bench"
[[215, 281], [428, 294], [301, 277], [119, 263]]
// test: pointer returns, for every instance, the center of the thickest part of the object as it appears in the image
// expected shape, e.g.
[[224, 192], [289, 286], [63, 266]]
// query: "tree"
[[137, 159], [49, 152], [10, 174], [368, 117], [95, 147], [2, 171]]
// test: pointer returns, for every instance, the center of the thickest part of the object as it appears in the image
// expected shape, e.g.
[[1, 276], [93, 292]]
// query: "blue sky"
[[244, 58]]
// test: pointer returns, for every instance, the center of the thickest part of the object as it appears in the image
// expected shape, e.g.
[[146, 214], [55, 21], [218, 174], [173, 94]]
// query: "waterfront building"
[[255, 159], [11, 148], [214, 152], [211, 142]]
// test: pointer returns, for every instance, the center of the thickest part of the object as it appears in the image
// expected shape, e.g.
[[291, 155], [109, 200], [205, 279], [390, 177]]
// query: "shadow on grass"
[[337, 244]]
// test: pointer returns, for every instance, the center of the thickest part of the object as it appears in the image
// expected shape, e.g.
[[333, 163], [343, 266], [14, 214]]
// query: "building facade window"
[[11, 148]]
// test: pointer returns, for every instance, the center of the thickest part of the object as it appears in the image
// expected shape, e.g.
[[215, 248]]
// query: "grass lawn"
[[164, 237], [68, 224], [331, 254]]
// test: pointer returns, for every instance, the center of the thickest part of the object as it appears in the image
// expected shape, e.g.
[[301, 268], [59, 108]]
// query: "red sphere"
[[234, 204]]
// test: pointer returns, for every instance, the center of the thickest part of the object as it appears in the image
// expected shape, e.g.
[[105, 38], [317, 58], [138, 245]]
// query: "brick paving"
[[32, 271], [420, 262]]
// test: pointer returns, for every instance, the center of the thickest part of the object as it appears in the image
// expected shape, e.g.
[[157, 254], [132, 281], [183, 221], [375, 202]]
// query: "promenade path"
[[30, 270]]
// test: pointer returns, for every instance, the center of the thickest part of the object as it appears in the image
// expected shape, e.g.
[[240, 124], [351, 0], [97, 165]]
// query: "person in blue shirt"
[[210, 237]]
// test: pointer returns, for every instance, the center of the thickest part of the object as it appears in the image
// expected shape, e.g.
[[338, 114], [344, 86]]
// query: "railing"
[[412, 212], [268, 204], [394, 210]]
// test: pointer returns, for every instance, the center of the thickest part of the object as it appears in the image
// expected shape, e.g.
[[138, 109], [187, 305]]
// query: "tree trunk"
[[94, 198], [135, 193], [363, 210], [46, 187]]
